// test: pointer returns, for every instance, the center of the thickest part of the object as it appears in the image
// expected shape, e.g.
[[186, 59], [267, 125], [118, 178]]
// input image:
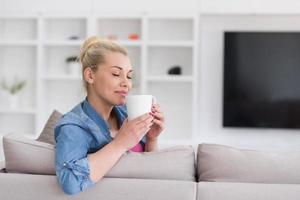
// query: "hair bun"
[[88, 43]]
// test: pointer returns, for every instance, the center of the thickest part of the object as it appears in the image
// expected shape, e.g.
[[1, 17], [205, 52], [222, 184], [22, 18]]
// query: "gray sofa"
[[211, 172], [220, 172]]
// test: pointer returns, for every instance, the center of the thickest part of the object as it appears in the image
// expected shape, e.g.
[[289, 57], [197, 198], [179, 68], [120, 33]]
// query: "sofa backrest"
[[221, 163], [25, 155]]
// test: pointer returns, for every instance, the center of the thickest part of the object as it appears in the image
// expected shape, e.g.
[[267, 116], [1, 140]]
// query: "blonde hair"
[[92, 53]]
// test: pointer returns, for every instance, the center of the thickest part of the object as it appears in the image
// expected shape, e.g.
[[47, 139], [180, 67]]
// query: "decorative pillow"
[[227, 164], [24, 155], [47, 134]]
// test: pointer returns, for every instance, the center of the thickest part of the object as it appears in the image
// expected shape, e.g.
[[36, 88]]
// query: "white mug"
[[138, 105]]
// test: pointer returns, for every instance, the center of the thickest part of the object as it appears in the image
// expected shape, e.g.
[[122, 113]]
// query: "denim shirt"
[[78, 133]]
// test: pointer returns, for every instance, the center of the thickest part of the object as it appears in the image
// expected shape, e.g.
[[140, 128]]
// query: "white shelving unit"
[[18, 58], [155, 42]]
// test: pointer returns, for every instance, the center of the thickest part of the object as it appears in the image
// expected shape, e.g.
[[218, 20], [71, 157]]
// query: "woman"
[[92, 137]]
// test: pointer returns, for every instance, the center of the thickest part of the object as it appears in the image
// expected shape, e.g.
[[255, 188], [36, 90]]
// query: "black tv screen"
[[261, 79]]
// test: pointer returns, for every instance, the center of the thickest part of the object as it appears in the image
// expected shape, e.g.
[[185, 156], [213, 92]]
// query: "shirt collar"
[[98, 119]]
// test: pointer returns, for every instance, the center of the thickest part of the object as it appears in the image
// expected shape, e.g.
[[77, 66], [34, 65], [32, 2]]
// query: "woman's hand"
[[133, 131], [158, 123]]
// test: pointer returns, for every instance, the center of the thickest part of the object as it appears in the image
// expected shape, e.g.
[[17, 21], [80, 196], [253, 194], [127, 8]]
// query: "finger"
[[159, 123], [157, 112], [155, 106], [144, 129], [157, 109], [146, 123], [141, 118], [159, 116]]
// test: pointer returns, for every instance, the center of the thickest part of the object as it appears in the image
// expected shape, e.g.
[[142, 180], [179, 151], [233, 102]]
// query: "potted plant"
[[73, 66], [13, 90]]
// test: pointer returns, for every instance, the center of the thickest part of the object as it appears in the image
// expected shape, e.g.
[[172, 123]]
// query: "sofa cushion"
[[28, 187], [247, 191], [28, 156], [227, 164], [47, 135]]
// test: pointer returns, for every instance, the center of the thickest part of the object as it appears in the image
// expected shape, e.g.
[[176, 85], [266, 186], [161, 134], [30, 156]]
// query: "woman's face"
[[112, 80]]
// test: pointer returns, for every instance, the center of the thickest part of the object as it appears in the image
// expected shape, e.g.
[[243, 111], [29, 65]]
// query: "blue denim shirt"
[[78, 133]]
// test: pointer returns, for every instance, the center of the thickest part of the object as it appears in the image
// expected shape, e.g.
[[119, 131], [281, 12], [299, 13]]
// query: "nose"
[[125, 82]]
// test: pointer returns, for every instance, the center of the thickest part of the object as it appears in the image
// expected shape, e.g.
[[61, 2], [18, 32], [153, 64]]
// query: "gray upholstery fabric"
[[28, 187], [47, 135], [177, 163], [247, 191], [226, 164], [24, 155], [2, 167], [28, 156], [2, 164]]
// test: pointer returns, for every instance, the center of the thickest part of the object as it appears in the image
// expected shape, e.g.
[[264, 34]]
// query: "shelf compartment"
[[10, 29], [61, 29], [19, 62], [129, 43], [55, 59], [60, 77], [168, 43], [19, 43], [161, 59], [170, 29], [119, 28], [170, 78], [64, 43], [176, 103]]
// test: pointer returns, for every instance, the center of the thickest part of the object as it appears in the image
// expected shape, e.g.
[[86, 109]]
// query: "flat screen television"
[[261, 79]]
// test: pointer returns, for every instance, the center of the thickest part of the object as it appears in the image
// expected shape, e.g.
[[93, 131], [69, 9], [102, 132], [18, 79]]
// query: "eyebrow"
[[121, 68]]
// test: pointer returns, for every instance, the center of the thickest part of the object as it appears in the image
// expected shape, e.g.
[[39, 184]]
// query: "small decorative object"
[[175, 70], [74, 37], [73, 66], [13, 90], [112, 37], [133, 36]]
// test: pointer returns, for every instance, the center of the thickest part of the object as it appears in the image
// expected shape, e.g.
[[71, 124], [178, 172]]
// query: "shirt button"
[[64, 164]]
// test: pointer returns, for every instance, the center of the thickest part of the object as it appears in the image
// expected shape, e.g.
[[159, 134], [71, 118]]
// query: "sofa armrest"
[[25, 155]]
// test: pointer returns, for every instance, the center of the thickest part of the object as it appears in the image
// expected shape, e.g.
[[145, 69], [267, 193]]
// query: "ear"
[[88, 75]]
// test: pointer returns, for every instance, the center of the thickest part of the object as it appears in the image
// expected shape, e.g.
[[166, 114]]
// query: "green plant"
[[15, 87]]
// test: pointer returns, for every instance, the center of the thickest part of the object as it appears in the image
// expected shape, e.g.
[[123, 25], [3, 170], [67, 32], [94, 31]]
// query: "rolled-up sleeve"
[[71, 163]]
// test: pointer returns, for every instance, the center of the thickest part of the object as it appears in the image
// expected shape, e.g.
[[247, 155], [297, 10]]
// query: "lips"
[[122, 93]]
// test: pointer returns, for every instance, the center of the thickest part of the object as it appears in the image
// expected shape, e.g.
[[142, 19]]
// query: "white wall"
[[209, 6], [210, 83], [97, 5], [250, 6]]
